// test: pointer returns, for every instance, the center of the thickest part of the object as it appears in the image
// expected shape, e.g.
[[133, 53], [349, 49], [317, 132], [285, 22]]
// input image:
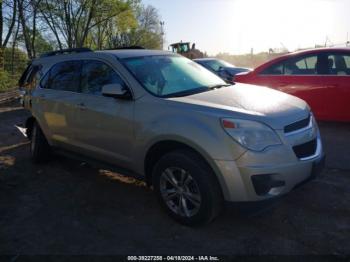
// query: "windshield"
[[217, 64], [171, 75]]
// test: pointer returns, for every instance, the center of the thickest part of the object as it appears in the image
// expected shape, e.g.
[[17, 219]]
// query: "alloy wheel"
[[180, 191]]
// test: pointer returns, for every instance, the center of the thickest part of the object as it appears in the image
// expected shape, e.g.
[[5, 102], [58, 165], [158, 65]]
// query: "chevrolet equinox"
[[196, 139]]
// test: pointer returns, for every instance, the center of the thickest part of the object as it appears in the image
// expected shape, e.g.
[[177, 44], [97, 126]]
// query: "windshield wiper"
[[218, 86], [187, 92], [200, 89]]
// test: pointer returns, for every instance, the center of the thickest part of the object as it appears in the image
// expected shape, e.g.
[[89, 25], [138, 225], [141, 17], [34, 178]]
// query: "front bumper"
[[258, 176]]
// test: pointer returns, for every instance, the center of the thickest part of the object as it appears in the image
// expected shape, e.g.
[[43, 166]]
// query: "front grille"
[[297, 125], [306, 149]]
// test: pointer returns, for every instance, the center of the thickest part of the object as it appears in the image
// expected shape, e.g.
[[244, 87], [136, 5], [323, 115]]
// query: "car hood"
[[252, 102]]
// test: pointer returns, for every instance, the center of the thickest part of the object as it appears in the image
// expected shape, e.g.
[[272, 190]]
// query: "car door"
[[104, 125], [338, 83], [54, 102], [298, 76]]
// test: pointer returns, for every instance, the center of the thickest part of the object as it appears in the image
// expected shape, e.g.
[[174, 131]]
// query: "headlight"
[[250, 134]]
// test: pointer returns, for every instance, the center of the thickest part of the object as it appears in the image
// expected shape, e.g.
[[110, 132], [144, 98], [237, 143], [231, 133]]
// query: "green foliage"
[[44, 25], [146, 33], [15, 62], [126, 21], [5, 80], [41, 45]]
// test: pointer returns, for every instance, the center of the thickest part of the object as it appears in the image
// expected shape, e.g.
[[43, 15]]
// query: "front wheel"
[[187, 188]]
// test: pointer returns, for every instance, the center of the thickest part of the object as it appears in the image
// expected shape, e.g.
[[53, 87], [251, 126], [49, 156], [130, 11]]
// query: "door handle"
[[81, 106]]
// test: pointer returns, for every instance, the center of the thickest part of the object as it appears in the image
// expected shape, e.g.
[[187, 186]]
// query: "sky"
[[237, 26]]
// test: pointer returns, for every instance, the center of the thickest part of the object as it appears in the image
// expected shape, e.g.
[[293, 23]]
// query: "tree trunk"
[[13, 48], [1, 23], [26, 35], [87, 25], [12, 24], [35, 10]]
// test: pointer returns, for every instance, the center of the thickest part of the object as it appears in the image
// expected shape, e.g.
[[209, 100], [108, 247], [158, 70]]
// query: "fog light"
[[264, 183]]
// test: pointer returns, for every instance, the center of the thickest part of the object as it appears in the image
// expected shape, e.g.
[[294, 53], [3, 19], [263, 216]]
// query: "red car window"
[[340, 64]]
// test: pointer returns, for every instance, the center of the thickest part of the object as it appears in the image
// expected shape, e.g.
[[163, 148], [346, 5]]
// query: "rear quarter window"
[[275, 69], [24, 76], [31, 76]]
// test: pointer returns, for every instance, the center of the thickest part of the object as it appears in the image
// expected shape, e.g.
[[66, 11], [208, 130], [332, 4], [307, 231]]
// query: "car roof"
[[315, 50], [119, 53], [322, 49], [128, 53]]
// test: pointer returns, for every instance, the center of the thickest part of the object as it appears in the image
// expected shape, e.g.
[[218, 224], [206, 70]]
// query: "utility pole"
[[162, 32]]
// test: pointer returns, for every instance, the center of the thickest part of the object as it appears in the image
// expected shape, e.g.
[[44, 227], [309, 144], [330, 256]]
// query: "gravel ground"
[[67, 207]]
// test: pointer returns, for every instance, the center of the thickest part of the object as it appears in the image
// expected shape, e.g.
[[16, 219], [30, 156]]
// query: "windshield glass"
[[217, 64], [169, 75]]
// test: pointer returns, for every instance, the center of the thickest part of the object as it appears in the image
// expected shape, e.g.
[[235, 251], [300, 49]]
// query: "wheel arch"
[[159, 148]]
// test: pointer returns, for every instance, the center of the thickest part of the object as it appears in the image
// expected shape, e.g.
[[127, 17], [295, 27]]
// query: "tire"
[[39, 147], [195, 187]]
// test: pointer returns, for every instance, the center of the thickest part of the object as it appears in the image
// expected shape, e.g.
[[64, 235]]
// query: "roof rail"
[[67, 51], [127, 47]]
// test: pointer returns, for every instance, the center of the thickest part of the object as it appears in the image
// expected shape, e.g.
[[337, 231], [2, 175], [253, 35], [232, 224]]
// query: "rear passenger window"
[[64, 76], [96, 74]]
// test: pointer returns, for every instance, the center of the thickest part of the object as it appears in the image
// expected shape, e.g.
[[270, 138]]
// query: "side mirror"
[[116, 91]]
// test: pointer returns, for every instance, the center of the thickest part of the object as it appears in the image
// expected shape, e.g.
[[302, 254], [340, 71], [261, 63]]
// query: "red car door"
[[341, 98], [310, 88], [316, 90], [338, 84]]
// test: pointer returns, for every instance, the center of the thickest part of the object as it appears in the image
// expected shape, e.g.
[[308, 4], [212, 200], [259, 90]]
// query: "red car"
[[320, 76]]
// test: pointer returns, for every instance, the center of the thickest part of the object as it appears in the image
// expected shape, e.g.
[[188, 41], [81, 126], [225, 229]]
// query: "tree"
[[147, 33], [71, 21], [120, 17], [10, 18], [40, 25]]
